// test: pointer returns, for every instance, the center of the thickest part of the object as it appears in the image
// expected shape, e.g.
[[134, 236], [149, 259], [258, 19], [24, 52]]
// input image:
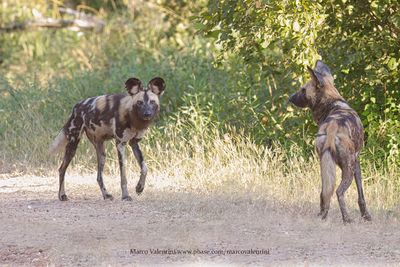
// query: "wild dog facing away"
[[339, 139], [124, 117]]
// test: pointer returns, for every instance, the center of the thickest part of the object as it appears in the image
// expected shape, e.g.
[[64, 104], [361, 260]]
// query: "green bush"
[[277, 39], [239, 84]]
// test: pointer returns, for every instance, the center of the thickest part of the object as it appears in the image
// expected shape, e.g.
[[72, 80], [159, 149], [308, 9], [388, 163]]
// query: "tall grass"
[[218, 126], [211, 162]]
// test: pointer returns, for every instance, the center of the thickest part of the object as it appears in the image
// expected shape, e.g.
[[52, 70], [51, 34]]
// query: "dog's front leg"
[[143, 168], [121, 160]]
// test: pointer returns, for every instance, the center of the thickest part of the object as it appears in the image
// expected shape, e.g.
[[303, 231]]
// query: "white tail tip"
[[59, 142]]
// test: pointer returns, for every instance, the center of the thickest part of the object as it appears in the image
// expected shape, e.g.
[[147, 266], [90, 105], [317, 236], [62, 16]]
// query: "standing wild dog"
[[339, 139], [124, 117]]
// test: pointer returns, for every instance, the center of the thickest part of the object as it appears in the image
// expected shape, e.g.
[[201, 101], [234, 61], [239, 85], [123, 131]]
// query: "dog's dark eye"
[[139, 103], [303, 90], [152, 102]]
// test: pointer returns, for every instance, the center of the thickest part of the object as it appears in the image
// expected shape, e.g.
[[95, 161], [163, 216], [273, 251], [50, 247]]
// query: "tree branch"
[[81, 21]]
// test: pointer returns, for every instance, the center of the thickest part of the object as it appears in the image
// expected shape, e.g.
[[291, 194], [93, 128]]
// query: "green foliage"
[[269, 34], [240, 85], [277, 39], [367, 56]]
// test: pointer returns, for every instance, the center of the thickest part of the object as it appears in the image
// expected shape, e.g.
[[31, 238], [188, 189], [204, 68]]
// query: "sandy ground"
[[36, 229]]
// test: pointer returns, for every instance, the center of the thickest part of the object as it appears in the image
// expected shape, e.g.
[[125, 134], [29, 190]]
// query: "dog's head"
[[317, 90], [146, 102]]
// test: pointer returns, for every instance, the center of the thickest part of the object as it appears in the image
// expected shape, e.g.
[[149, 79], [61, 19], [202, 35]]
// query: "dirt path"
[[37, 229]]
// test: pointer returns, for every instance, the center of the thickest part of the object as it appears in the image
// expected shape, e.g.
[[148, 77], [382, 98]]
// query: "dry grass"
[[206, 192], [217, 192], [234, 165], [207, 162]]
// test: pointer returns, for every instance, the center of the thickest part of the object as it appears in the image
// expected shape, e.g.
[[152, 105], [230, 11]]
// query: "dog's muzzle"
[[291, 98]]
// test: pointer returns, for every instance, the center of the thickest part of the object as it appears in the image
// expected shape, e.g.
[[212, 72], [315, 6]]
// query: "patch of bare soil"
[[173, 226]]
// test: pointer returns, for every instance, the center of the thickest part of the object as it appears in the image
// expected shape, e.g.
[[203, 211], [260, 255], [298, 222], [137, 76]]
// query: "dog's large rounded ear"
[[322, 68], [157, 85], [133, 85], [316, 77]]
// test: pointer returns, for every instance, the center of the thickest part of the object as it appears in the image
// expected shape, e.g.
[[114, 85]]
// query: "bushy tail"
[[328, 174], [331, 133], [59, 142]]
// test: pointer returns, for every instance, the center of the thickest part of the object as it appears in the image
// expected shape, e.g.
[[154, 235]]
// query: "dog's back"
[[341, 132]]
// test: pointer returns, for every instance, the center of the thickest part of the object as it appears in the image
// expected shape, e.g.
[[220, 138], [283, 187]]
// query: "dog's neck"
[[139, 124], [322, 110]]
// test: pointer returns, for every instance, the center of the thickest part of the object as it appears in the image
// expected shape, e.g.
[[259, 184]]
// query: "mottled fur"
[[339, 139], [124, 117]]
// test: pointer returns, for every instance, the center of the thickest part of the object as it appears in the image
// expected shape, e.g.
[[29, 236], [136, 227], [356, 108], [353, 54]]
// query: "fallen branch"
[[80, 22]]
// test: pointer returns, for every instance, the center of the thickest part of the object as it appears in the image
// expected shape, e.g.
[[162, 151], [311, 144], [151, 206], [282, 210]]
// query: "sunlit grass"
[[211, 134]]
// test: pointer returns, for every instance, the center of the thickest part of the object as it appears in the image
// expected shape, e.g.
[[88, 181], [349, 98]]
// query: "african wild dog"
[[124, 117], [339, 139]]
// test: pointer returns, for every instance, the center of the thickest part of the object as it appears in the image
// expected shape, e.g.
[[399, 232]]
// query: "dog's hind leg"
[[347, 178], [101, 158], [328, 176], [73, 131], [361, 200], [69, 154]]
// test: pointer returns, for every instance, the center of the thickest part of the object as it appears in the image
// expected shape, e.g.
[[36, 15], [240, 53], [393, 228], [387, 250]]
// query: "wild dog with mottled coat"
[[339, 139], [124, 117]]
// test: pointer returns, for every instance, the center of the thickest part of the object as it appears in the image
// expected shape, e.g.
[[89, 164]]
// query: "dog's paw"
[[63, 197], [139, 188], [108, 196], [367, 217], [347, 220], [127, 198]]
